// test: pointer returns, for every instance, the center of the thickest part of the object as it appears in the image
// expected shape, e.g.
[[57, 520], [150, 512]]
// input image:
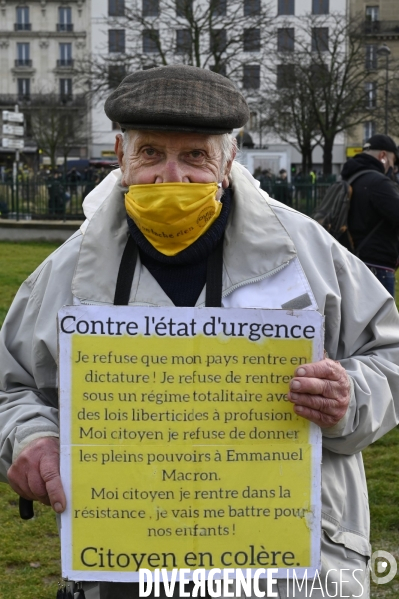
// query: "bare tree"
[[322, 85], [58, 126], [288, 113], [219, 35]]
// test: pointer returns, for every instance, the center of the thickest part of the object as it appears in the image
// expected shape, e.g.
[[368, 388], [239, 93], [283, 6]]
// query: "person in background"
[[373, 219], [282, 188]]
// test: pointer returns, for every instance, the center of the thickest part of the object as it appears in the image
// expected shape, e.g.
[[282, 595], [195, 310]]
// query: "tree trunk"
[[327, 156], [307, 159]]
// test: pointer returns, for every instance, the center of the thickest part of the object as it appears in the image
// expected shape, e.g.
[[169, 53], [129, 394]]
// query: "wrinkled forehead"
[[174, 140]]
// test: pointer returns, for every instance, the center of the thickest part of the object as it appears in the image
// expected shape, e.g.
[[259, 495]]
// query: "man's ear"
[[225, 181], [119, 150]]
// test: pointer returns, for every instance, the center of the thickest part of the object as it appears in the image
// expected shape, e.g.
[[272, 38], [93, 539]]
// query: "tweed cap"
[[177, 98]]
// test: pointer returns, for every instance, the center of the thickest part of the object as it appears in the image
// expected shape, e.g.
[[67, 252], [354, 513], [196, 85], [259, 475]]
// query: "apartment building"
[[380, 22], [39, 44], [113, 36]]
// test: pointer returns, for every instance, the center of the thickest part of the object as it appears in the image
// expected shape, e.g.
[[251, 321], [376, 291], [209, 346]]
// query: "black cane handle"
[[26, 508]]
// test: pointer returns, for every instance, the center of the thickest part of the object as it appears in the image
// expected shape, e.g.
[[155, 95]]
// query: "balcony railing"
[[65, 62], [64, 26], [22, 26], [23, 62], [39, 100], [66, 98], [381, 27]]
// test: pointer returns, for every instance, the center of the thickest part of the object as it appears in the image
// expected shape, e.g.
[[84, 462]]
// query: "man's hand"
[[320, 392], [35, 474]]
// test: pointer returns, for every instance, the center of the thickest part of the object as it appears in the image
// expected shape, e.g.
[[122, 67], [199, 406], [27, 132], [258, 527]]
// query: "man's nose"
[[172, 173]]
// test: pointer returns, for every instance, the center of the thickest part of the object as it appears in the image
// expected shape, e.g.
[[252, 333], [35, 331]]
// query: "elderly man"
[[178, 173]]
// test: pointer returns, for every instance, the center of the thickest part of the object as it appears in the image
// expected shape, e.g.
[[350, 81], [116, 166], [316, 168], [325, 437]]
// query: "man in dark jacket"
[[375, 201]]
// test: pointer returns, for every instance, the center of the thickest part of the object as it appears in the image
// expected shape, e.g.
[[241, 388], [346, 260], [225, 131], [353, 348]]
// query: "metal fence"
[[57, 199], [304, 197], [43, 199]]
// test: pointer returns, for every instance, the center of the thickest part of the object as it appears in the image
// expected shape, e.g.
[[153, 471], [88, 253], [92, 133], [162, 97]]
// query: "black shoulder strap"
[[213, 292], [126, 273], [214, 282], [361, 173]]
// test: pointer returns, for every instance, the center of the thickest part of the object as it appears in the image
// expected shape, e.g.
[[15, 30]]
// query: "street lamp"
[[384, 50]]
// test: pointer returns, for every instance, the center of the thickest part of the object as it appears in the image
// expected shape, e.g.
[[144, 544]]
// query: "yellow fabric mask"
[[173, 215]]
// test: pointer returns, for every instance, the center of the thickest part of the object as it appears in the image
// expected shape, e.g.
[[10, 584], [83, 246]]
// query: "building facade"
[[40, 43], [118, 31], [380, 22]]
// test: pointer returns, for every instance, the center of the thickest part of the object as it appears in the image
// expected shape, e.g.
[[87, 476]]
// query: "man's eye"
[[196, 154], [149, 152]]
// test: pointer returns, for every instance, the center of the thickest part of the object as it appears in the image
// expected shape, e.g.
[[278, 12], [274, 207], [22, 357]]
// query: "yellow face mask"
[[173, 215]]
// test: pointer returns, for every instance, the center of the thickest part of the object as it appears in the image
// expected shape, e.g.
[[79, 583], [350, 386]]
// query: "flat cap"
[[177, 98], [382, 142]]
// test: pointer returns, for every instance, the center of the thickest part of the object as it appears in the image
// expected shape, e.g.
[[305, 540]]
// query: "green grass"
[[36, 541], [17, 261], [30, 552]]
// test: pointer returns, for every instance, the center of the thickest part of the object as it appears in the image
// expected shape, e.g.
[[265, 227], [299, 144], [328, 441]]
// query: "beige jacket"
[[273, 257]]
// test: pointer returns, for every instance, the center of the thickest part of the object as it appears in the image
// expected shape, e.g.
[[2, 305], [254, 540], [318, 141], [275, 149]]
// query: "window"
[[285, 76], [251, 40], [371, 57], [183, 41], [116, 40], [150, 41], [184, 8], [285, 39], [286, 7], [116, 73], [370, 89], [218, 7], [251, 8], [64, 19], [251, 76], [320, 39], [150, 8], [372, 19], [116, 8], [218, 41], [23, 89], [368, 130], [372, 13], [320, 74], [66, 89], [23, 55], [65, 59], [320, 7], [22, 19]]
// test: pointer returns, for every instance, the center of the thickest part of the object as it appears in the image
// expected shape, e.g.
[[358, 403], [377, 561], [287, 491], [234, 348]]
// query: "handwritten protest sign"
[[179, 448]]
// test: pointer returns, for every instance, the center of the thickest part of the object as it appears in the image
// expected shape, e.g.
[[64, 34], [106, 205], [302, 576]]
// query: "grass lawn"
[[29, 554]]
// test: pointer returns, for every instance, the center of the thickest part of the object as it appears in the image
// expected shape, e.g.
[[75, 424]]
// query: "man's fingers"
[[324, 369], [20, 489], [314, 386], [323, 420], [50, 474], [37, 486], [35, 473], [316, 402]]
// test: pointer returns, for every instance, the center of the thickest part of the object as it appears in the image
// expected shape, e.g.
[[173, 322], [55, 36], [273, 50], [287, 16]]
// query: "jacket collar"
[[256, 244]]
